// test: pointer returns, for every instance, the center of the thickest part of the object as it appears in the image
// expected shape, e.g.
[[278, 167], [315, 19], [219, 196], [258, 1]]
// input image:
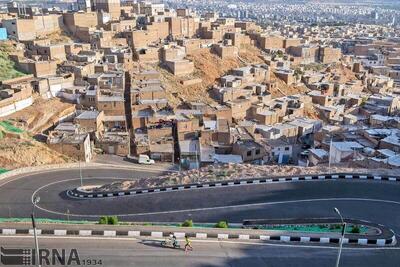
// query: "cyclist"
[[188, 244], [174, 241]]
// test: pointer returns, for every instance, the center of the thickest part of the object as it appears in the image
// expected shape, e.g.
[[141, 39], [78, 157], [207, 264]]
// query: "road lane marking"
[[218, 185], [17, 177], [227, 207], [130, 239], [75, 179]]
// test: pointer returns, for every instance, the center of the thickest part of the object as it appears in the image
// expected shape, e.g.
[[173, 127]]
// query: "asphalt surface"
[[376, 201], [149, 253]]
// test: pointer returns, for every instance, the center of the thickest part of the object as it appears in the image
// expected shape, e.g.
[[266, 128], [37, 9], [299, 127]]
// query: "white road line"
[[17, 176], [168, 190], [73, 179], [263, 243], [228, 207], [242, 183]]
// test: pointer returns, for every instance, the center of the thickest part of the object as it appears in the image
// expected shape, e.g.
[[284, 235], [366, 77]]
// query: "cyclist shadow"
[[157, 244]]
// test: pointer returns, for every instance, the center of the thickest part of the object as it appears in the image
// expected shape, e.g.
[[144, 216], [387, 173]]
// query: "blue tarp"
[[3, 34]]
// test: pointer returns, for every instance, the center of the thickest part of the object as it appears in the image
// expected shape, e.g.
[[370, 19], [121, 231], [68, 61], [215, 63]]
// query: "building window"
[[258, 152], [249, 153], [286, 148]]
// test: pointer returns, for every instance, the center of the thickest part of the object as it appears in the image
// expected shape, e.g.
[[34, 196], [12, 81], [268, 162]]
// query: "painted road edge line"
[[363, 241]]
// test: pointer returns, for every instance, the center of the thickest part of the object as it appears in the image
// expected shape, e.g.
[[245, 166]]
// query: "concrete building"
[[74, 145], [344, 151], [180, 67], [113, 7]]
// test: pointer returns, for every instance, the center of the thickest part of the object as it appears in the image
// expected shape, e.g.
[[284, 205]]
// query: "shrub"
[[103, 220], [355, 229], [112, 220], [222, 224], [187, 223], [108, 220]]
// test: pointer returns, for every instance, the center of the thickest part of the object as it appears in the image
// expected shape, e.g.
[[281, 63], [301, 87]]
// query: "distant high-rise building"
[[375, 15]]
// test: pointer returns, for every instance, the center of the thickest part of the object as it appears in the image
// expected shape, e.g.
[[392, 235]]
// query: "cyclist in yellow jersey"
[[188, 244]]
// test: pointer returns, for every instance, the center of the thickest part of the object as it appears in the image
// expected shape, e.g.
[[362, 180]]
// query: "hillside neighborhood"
[[189, 88]]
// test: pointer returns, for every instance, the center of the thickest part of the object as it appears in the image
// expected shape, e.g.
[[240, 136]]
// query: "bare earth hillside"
[[42, 114], [18, 151], [209, 68], [18, 148]]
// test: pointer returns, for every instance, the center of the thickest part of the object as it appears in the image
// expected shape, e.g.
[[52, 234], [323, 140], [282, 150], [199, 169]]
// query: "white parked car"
[[144, 159]]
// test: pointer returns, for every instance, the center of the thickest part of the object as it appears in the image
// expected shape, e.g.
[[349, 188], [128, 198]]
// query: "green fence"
[[9, 127]]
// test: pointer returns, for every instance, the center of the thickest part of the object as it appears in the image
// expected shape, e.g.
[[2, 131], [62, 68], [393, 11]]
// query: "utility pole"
[[197, 164], [341, 237], [80, 171], [34, 202], [330, 154]]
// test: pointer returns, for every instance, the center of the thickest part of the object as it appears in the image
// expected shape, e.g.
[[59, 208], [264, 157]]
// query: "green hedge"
[[113, 220], [355, 229], [222, 224], [187, 223]]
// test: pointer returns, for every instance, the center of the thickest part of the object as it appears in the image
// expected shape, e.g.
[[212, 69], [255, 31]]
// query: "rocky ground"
[[223, 173]]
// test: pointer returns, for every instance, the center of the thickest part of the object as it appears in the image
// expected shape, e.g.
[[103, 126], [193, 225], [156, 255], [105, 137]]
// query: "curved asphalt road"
[[368, 200], [377, 201]]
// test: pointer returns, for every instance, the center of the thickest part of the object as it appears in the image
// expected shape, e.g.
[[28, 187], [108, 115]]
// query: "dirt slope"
[[209, 68], [19, 150], [42, 114]]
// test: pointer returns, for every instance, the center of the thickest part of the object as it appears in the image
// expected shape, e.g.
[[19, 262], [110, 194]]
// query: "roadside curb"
[[203, 235], [76, 193]]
